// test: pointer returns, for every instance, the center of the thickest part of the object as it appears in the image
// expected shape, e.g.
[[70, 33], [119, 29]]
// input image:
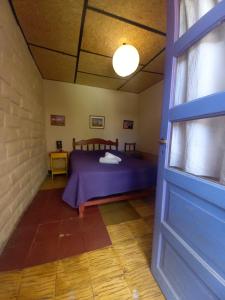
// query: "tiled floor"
[[108, 273], [51, 230]]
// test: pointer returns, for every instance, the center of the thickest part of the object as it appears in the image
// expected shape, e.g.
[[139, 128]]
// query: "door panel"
[[172, 264], [196, 221], [189, 245]]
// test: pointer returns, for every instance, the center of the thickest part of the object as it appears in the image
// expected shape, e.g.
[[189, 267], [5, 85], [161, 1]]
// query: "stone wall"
[[22, 132]]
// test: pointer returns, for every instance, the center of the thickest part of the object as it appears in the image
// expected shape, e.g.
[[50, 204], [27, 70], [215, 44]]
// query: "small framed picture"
[[57, 120], [128, 124], [97, 122]]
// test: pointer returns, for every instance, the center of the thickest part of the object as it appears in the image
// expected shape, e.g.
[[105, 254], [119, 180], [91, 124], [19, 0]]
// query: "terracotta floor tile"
[[23, 234], [68, 212], [89, 210], [29, 219], [70, 226], [96, 238], [47, 231], [70, 245], [14, 257], [43, 252], [92, 221]]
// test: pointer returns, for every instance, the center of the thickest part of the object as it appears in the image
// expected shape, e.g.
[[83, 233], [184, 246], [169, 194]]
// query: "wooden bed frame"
[[101, 144], [95, 144]]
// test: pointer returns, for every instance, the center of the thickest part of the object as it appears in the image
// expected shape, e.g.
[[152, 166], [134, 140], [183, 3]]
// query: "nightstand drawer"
[[58, 155]]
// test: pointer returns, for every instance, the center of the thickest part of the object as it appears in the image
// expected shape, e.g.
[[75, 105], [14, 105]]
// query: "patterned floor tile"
[[139, 227], [119, 232], [104, 264], [38, 282], [130, 255], [9, 285], [145, 244], [81, 293], [121, 214], [113, 289], [143, 282]]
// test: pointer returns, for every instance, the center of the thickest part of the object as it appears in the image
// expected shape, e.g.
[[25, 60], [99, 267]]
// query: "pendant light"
[[125, 60]]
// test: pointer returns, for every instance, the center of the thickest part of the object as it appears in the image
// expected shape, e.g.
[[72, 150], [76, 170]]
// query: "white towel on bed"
[[107, 160], [110, 158], [110, 155]]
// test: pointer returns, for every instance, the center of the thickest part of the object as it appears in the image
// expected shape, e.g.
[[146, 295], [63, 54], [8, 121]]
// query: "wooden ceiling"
[[74, 40]]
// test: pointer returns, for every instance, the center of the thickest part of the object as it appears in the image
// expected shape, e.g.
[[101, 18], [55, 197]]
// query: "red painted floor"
[[50, 230]]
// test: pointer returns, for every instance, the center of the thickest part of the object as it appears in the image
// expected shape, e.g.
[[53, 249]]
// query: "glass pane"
[[198, 147], [192, 10], [200, 71]]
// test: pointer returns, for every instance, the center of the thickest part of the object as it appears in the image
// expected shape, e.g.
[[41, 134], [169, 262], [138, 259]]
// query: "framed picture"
[[97, 122], [57, 120], [128, 124]]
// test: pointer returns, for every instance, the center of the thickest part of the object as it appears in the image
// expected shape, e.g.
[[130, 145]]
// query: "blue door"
[[189, 235]]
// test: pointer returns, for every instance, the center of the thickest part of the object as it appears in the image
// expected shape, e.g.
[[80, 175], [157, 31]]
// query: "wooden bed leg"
[[81, 211]]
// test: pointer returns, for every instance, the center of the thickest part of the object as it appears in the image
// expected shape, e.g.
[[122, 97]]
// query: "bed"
[[92, 183]]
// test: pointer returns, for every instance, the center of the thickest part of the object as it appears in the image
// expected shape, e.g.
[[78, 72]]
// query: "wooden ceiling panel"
[[96, 64], [54, 24], [151, 13], [157, 64], [98, 81], [141, 81], [103, 34], [53, 65]]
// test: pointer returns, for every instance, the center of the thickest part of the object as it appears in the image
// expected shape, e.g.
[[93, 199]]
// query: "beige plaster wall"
[[77, 102], [150, 104], [22, 135]]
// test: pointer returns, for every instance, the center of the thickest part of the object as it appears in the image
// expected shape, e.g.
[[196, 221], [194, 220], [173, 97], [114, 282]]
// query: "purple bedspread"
[[91, 179]]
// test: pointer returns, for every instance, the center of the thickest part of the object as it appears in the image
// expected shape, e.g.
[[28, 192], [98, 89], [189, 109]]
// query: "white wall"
[[150, 103], [22, 142], [77, 102]]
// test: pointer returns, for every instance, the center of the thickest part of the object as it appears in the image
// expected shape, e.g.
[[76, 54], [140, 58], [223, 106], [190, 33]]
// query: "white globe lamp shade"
[[125, 60]]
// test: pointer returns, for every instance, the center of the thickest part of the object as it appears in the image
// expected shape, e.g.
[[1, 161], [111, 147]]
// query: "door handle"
[[162, 141]]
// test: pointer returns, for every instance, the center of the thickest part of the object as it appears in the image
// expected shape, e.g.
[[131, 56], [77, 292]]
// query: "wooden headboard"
[[95, 144]]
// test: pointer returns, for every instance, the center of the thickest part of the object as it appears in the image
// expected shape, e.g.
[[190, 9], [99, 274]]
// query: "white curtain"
[[198, 146]]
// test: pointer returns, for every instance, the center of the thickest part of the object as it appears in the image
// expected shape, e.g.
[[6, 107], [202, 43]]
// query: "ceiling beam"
[[90, 52], [99, 75], [131, 22], [80, 36], [50, 49]]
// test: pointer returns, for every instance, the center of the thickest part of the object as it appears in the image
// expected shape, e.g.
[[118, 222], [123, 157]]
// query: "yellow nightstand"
[[58, 155]]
